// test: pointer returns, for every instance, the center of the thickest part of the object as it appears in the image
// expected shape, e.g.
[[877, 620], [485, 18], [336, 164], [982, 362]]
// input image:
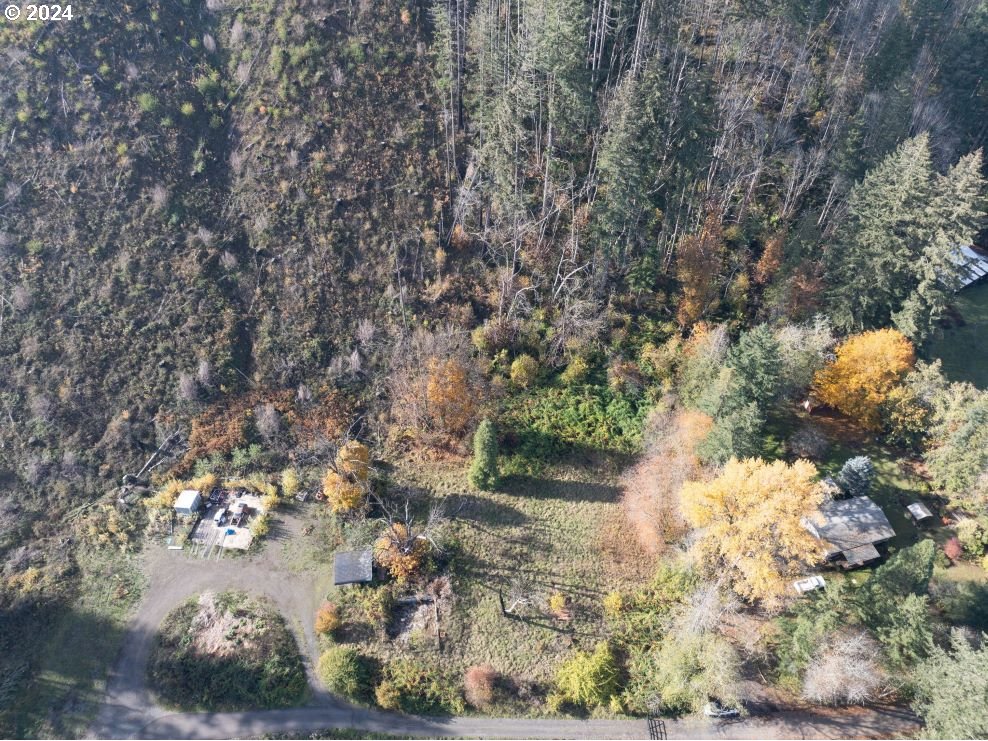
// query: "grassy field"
[[558, 532], [964, 349], [78, 649], [535, 538]]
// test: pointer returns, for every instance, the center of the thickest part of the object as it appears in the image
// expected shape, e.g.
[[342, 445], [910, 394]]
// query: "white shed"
[[188, 502]]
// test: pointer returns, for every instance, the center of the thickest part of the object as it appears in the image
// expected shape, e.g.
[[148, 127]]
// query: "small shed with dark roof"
[[850, 529], [353, 567]]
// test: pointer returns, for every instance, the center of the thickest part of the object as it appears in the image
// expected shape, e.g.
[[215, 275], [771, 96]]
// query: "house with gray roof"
[[850, 529]]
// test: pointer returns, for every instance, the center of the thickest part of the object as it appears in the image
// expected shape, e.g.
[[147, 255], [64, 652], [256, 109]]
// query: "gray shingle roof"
[[846, 524]]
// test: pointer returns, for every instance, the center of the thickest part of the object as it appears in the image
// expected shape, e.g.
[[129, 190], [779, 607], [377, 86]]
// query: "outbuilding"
[[188, 502], [353, 567], [919, 512], [972, 266]]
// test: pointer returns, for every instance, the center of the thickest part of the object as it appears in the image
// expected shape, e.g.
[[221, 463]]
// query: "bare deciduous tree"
[[846, 671], [365, 332], [268, 421], [188, 389], [159, 197], [204, 373]]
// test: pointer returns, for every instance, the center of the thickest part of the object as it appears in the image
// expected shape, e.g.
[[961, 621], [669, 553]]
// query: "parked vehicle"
[[238, 513], [809, 584], [220, 517]]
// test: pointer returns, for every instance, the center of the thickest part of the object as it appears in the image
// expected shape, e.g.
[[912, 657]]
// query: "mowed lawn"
[[964, 350]]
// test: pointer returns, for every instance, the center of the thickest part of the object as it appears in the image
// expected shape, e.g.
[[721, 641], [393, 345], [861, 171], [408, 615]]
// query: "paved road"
[[129, 711], [878, 723]]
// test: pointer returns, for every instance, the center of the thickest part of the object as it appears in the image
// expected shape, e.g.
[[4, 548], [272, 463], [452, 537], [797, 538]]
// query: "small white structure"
[[188, 502], [919, 512], [809, 584]]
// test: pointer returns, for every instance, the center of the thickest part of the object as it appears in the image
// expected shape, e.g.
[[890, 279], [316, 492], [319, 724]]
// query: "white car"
[[809, 584]]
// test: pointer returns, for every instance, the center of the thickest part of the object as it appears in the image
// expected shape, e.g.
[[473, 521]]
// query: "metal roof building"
[[919, 511], [188, 502], [353, 567], [973, 266]]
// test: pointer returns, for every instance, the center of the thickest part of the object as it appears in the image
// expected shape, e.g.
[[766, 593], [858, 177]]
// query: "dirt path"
[[128, 710]]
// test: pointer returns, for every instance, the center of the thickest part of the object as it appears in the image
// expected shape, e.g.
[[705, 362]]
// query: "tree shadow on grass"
[[278, 532], [478, 511], [50, 669], [965, 603], [533, 487], [499, 577]]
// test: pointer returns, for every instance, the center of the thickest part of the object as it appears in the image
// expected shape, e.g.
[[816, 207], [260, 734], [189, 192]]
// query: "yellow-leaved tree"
[[750, 523], [353, 459], [342, 494], [868, 366], [346, 487]]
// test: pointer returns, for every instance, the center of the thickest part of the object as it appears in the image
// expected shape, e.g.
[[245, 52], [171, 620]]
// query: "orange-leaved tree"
[[699, 263], [750, 522], [401, 551], [868, 366], [452, 397], [328, 619]]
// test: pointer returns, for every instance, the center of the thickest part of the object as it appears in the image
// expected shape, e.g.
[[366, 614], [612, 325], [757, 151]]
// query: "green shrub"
[[685, 671], [551, 422], [345, 672], [417, 688], [483, 470], [645, 613], [576, 372], [589, 680], [147, 102], [524, 371], [973, 536], [209, 86]]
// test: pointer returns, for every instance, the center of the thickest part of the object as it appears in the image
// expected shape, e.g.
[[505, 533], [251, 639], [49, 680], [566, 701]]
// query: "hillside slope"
[[189, 191]]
